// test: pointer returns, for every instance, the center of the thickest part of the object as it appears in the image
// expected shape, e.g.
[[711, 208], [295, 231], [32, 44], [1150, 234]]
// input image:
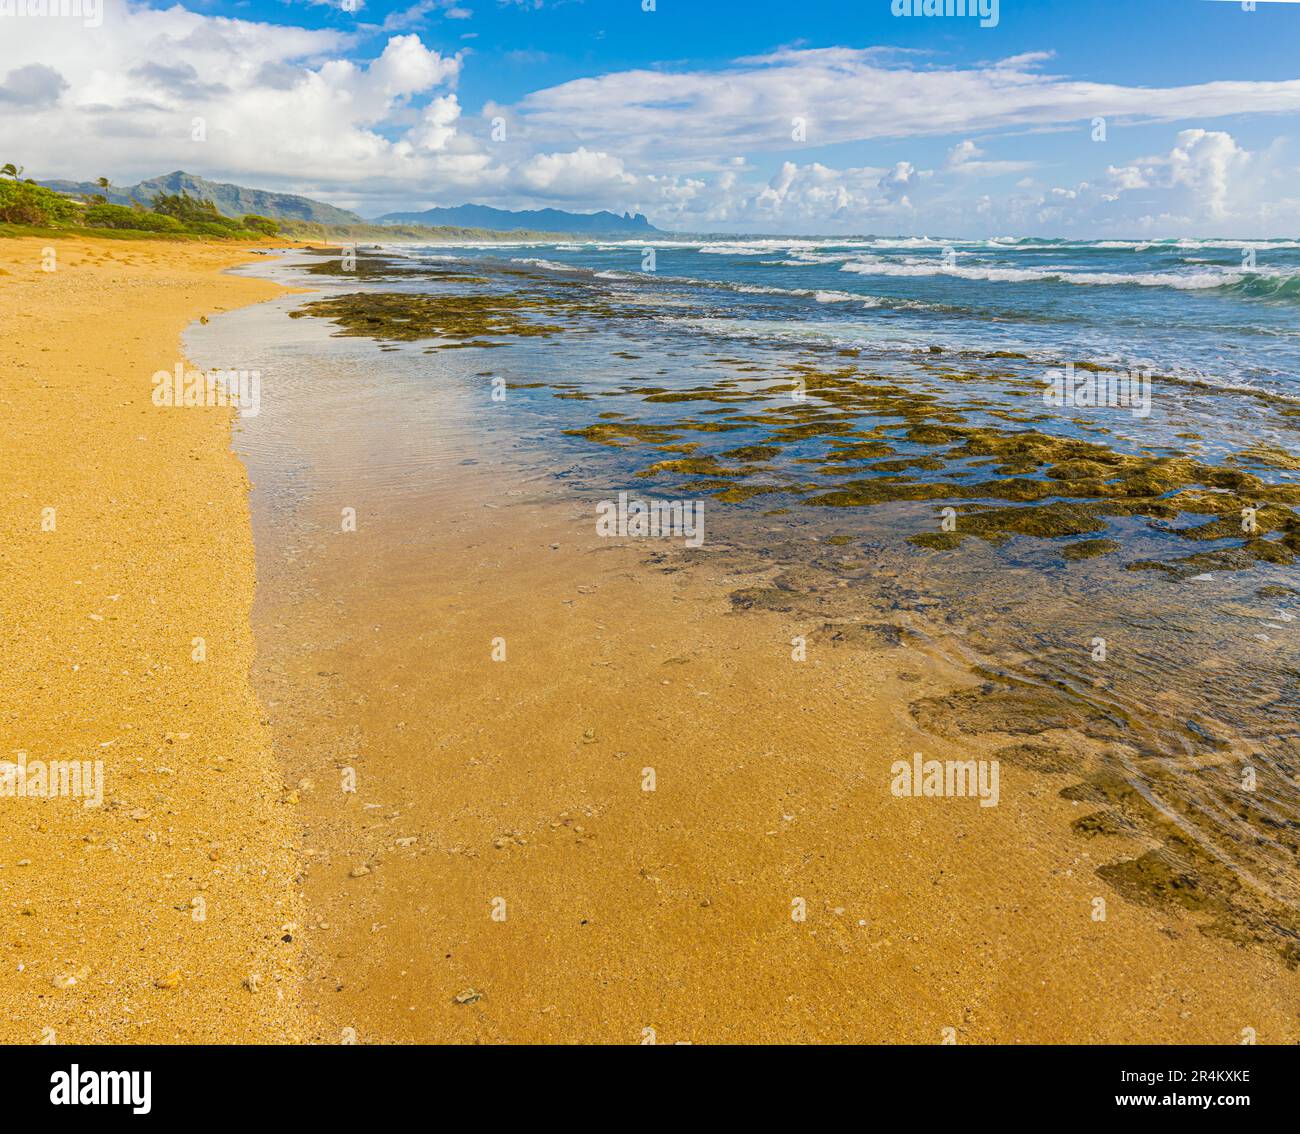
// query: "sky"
[[1044, 117]]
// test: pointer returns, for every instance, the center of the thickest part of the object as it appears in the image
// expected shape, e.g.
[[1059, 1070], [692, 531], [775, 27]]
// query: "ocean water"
[[834, 403], [1220, 311], [1201, 317]]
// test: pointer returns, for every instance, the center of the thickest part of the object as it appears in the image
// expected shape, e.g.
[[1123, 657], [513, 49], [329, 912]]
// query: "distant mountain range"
[[236, 201], [231, 200], [538, 220]]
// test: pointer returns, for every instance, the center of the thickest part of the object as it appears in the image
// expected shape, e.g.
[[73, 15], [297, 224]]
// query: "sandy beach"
[[167, 913], [486, 777]]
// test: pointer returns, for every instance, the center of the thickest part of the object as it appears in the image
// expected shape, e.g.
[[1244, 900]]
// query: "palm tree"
[[11, 170]]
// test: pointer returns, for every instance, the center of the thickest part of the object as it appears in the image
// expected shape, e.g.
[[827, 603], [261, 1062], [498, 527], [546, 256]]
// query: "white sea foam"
[[935, 268], [1181, 281], [549, 265], [846, 297]]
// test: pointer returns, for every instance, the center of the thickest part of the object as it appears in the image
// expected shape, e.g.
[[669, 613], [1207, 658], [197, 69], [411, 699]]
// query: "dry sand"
[[168, 914]]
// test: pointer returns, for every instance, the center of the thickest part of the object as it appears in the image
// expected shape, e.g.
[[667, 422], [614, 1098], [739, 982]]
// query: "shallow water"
[[1221, 311]]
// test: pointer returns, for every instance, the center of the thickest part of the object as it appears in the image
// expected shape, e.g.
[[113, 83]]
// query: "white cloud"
[[581, 174], [850, 94], [967, 158], [283, 107], [901, 178], [437, 125], [1207, 184]]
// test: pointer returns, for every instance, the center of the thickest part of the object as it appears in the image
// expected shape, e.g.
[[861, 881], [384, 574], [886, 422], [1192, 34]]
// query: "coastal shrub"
[[23, 202], [186, 209], [195, 215], [265, 225], [140, 220]]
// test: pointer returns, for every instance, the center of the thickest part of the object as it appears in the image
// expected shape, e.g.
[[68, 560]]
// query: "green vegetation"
[[202, 218], [22, 202], [91, 207], [264, 225], [27, 207], [119, 216]]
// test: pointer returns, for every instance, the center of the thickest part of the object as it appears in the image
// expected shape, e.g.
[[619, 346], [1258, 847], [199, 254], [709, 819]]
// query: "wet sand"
[[500, 872], [626, 909], [168, 913]]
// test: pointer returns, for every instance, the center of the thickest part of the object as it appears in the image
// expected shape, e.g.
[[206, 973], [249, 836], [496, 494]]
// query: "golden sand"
[[168, 914]]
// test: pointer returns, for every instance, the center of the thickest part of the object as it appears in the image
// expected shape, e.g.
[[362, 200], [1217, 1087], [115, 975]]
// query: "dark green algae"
[[403, 317], [864, 441], [1042, 486], [1158, 860]]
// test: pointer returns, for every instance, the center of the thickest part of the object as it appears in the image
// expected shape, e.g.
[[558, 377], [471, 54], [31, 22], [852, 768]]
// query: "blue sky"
[[714, 115]]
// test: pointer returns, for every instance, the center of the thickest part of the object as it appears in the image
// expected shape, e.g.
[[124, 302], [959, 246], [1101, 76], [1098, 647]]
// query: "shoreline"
[[167, 913]]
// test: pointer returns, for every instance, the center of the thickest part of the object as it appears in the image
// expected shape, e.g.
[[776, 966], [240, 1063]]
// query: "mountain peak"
[[231, 200], [536, 220]]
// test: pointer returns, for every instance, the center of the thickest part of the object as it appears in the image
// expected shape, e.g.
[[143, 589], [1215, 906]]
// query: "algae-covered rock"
[[937, 541], [1089, 548]]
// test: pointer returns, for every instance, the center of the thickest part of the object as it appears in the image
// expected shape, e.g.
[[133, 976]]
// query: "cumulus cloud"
[[904, 176], [32, 86], [858, 95], [282, 106], [1206, 183], [580, 174], [817, 193], [437, 124]]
